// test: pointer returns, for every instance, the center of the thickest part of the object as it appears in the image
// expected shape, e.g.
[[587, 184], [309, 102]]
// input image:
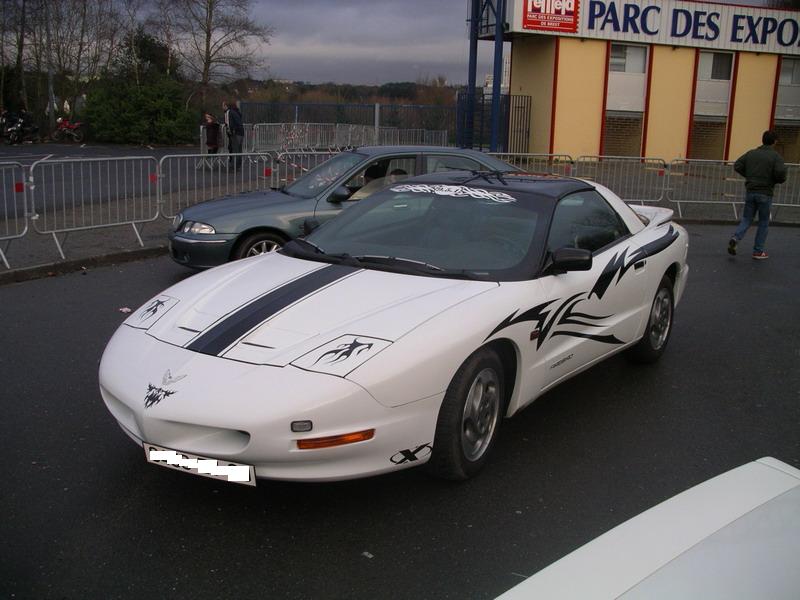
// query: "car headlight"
[[177, 221], [193, 227]]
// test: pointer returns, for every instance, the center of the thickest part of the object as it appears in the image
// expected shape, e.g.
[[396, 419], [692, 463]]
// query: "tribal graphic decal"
[[155, 395], [152, 309], [548, 319], [344, 351]]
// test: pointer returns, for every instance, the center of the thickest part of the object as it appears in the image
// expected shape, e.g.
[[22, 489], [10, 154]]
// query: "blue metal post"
[[468, 138], [499, 31]]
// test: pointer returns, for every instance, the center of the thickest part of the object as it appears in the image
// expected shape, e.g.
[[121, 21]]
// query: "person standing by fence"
[[762, 168], [212, 133], [233, 122]]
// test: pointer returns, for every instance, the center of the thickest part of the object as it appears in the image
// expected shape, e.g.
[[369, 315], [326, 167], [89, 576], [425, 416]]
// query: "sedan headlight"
[[193, 227]]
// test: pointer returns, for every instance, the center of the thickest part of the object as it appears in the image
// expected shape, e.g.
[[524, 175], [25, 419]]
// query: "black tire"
[[57, 135], [461, 444], [79, 135], [659, 326], [258, 243]]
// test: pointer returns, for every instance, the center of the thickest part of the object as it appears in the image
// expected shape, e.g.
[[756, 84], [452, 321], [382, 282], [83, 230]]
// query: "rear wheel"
[[469, 417], [78, 135], [57, 135], [659, 326], [259, 243]]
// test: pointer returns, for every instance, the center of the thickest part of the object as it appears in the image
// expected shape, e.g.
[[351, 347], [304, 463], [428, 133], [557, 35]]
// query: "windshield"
[[322, 176], [439, 230]]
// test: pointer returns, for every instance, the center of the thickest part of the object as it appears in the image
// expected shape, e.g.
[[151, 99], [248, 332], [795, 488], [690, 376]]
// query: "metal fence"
[[14, 206], [187, 179], [634, 179], [58, 197], [329, 136], [79, 194]]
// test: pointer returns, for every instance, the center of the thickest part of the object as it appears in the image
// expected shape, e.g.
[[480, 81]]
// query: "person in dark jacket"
[[212, 133], [761, 168], [235, 126]]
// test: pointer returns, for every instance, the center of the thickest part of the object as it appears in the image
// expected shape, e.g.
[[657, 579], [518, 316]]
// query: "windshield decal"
[[457, 191]]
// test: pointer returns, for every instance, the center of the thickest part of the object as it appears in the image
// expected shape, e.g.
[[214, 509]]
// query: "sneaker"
[[760, 255], [732, 246]]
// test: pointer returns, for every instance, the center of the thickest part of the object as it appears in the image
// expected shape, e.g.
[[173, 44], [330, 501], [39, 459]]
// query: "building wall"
[[670, 106], [532, 63], [580, 89], [752, 105]]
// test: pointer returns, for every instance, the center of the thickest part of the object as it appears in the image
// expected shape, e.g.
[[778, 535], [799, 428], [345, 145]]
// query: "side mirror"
[[309, 225], [571, 259], [340, 194]]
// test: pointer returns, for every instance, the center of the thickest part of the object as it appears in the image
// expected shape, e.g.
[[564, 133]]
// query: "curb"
[[79, 264]]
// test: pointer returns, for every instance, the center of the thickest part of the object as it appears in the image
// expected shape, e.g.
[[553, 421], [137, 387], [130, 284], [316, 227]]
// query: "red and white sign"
[[551, 15]]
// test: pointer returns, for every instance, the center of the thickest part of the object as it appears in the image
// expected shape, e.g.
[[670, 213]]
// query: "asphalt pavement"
[[84, 516]]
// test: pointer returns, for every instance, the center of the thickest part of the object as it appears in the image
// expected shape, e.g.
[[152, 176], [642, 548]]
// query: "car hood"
[[276, 310], [230, 207]]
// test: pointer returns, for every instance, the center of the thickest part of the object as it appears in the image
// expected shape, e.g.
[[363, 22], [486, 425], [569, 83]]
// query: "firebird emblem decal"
[[344, 351], [155, 395], [151, 309], [168, 378]]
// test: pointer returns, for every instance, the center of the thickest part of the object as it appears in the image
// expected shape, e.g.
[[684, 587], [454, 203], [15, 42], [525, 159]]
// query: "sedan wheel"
[[257, 244], [469, 417]]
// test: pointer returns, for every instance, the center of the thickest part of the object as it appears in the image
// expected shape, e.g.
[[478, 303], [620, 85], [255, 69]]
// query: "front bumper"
[[201, 251], [240, 412]]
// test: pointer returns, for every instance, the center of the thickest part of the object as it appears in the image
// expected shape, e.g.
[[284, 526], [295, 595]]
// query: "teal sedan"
[[224, 229]]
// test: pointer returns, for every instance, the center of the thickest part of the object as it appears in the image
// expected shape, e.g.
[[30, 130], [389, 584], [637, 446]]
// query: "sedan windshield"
[[439, 230], [320, 177]]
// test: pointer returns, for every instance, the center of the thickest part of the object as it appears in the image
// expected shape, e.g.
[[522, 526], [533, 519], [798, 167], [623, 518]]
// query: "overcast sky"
[[371, 41]]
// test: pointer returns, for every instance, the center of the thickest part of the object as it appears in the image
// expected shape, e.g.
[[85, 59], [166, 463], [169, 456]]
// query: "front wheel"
[[258, 243], [78, 135], [57, 135], [469, 417], [659, 326]]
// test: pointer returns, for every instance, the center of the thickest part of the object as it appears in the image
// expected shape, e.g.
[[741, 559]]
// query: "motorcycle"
[[66, 130], [20, 129]]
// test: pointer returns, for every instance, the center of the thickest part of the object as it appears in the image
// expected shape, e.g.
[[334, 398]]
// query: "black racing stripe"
[[226, 332]]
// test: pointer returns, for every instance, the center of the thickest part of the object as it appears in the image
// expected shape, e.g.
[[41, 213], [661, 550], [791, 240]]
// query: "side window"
[[380, 173], [584, 220], [440, 163]]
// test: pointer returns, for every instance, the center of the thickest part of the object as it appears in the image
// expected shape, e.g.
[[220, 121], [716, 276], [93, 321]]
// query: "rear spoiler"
[[654, 215]]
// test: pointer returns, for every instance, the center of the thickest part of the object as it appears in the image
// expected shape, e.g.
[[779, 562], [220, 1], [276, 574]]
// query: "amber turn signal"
[[335, 440]]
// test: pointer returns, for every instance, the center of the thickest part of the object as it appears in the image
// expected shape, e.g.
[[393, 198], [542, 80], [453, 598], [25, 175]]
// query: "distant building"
[[668, 79]]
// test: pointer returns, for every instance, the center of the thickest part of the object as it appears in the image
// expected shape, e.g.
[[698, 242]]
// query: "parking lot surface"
[[84, 516]]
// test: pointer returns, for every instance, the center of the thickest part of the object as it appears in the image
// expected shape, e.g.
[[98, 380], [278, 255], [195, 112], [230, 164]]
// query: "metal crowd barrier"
[[14, 206], [715, 182], [79, 194], [557, 164], [634, 179], [187, 179]]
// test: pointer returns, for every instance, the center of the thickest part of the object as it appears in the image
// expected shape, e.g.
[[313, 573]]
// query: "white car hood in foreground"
[[278, 310], [734, 536]]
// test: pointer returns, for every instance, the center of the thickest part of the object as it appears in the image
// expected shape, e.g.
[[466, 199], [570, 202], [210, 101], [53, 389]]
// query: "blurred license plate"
[[223, 470]]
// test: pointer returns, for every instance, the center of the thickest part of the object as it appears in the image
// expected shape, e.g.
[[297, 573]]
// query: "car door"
[[591, 313], [392, 168]]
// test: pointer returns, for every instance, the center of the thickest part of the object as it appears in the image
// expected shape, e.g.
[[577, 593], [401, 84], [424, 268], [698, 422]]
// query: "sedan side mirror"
[[340, 194], [571, 259], [309, 225]]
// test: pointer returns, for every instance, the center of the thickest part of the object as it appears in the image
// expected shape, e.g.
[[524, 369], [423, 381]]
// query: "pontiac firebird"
[[400, 333]]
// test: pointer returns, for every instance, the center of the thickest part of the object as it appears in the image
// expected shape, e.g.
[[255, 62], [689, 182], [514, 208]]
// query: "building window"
[[715, 66], [627, 59], [790, 72]]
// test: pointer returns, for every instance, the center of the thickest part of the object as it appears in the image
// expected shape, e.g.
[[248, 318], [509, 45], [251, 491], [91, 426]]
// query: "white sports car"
[[399, 333]]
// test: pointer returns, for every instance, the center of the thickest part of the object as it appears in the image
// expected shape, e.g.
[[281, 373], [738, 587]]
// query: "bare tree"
[[216, 38], [163, 21]]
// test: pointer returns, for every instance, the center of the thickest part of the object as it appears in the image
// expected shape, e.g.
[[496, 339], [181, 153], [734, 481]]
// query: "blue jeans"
[[753, 203]]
